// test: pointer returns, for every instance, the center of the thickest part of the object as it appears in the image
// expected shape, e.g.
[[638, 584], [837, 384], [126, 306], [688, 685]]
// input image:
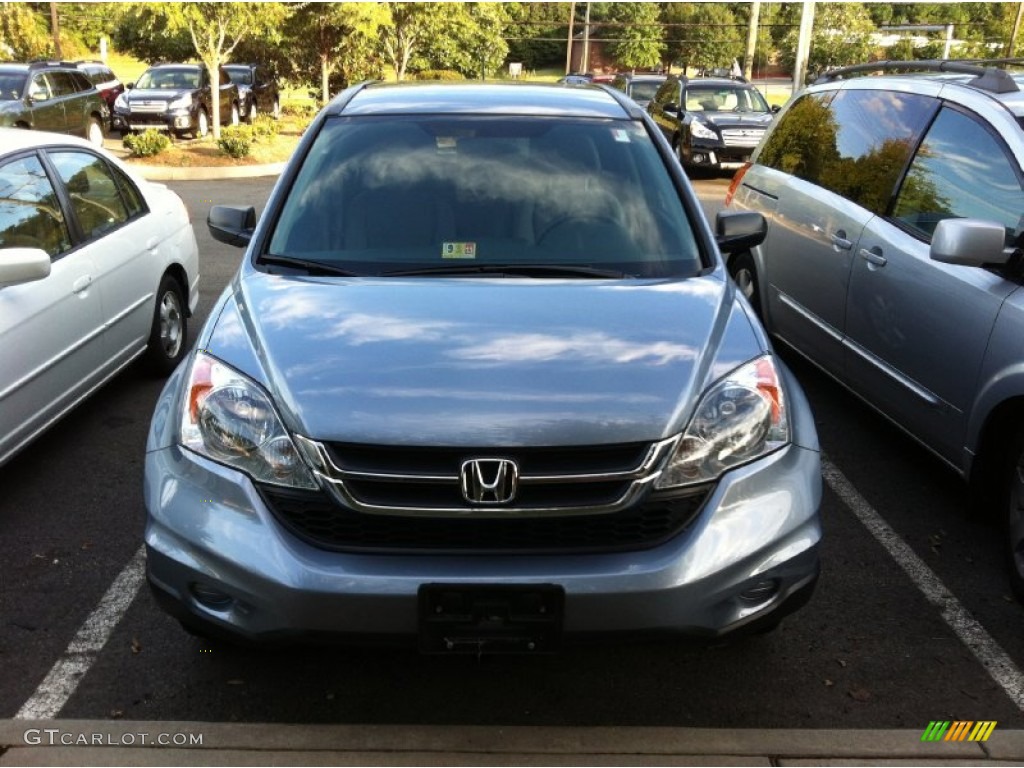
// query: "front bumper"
[[218, 557], [164, 121]]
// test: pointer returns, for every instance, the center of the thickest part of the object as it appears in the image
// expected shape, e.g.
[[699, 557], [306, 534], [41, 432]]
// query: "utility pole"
[[803, 46], [568, 44], [55, 28], [585, 61], [748, 57], [1008, 51]]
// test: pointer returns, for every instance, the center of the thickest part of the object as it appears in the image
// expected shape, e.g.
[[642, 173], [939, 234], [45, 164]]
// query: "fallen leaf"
[[116, 713], [841, 662], [859, 694], [136, 645], [828, 683]]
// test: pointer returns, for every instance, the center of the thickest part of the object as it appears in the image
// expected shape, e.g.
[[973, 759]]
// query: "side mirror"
[[23, 265], [129, 86], [969, 242], [776, 108], [231, 224], [737, 231]]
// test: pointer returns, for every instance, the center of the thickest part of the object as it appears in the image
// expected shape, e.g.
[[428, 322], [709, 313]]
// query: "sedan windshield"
[[468, 195], [703, 98], [171, 79], [239, 75]]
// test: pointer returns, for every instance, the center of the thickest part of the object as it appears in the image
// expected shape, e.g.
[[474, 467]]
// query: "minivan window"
[[855, 144], [379, 194], [961, 170]]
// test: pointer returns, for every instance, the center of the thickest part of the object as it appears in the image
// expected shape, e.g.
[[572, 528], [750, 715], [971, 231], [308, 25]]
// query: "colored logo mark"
[[958, 730]]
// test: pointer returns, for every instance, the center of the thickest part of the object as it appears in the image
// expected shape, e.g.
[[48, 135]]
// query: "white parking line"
[[984, 647], [62, 680]]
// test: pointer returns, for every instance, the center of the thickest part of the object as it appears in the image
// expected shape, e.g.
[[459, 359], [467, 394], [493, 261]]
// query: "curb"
[[116, 742], [206, 173]]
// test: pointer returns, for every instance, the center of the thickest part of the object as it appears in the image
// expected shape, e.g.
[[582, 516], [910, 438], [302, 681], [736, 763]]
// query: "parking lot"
[[912, 620]]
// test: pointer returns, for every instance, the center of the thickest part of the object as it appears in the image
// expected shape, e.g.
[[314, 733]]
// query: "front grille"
[[149, 106], [315, 518], [742, 137]]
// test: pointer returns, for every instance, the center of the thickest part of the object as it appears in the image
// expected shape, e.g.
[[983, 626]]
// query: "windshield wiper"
[[527, 270], [312, 267]]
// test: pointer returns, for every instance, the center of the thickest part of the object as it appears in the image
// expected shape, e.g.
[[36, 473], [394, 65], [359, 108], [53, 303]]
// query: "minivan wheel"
[[744, 274], [94, 132], [1013, 478], [169, 330]]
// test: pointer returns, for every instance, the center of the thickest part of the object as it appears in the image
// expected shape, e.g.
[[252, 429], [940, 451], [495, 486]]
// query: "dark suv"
[[51, 96], [176, 98], [714, 123], [257, 90], [639, 87]]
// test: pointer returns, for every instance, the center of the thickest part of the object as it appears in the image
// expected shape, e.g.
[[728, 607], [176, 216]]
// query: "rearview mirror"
[[737, 231], [23, 265], [231, 224]]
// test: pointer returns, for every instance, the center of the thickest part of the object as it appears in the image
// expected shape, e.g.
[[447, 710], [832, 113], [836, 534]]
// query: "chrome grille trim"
[[333, 479], [742, 137]]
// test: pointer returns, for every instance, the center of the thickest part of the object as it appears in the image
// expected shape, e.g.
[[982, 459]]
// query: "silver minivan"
[[895, 208]]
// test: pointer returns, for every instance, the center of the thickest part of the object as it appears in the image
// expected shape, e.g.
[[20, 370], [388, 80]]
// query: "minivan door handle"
[[873, 257], [839, 241]]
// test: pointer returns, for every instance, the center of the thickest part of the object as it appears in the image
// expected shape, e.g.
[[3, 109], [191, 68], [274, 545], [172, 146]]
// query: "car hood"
[[730, 119], [482, 362]]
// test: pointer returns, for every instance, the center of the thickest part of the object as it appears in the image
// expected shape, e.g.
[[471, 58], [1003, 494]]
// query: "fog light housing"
[[210, 597], [761, 591]]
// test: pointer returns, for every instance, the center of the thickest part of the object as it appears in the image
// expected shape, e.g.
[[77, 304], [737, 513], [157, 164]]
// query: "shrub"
[[439, 74], [147, 144], [307, 109], [264, 127], [235, 141]]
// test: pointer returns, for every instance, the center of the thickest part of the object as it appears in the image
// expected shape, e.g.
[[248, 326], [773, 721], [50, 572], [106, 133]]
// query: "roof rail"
[[988, 78]]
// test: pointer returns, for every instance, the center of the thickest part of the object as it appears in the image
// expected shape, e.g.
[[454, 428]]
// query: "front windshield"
[[644, 90], [11, 85], [378, 195], [169, 79], [724, 98], [239, 76]]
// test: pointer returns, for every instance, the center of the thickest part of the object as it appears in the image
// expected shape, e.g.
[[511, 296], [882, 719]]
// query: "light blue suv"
[[482, 380], [895, 209]]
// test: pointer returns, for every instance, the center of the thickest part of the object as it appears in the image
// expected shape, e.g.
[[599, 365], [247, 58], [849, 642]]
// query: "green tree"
[[640, 38], [470, 40], [709, 34], [537, 33], [407, 28], [24, 33], [215, 29], [141, 30]]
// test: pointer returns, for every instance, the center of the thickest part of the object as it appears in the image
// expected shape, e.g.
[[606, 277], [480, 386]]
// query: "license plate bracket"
[[490, 618]]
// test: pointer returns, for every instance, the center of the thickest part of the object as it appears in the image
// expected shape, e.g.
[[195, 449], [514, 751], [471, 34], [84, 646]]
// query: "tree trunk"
[[325, 78]]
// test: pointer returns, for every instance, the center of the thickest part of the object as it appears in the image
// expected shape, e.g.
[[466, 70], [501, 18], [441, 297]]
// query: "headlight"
[[701, 131], [182, 102], [740, 418], [121, 102], [228, 418]]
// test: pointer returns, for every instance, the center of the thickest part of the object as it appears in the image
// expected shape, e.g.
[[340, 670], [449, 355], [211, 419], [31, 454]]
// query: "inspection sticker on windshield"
[[620, 135], [458, 250]]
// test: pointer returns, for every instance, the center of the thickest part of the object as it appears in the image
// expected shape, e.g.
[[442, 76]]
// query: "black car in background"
[[640, 87], [257, 90], [713, 123], [103, 77], [51, 96], [177, 98]]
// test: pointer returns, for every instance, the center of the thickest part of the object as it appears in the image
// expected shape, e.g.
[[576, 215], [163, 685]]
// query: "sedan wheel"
[[1014, 500], [167, 336]]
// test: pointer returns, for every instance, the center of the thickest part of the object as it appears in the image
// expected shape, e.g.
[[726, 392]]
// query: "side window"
[[61, 83], [39, 90], [855, 145], [94, 194], [30, 216], [961, 170], [132, 197]]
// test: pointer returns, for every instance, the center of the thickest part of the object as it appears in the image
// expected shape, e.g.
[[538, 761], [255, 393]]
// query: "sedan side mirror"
[[969, 242], [23, 265], [737, 231], [231, 224]]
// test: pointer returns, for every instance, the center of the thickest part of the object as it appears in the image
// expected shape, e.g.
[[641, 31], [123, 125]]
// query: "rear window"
[[11, 85], [382, 194]]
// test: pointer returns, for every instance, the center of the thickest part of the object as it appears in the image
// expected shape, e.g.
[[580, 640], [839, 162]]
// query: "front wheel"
[[234, 114], [202, 125], [94, 132], [277, 109], [168, 332], [744, 274], [1013, 501]]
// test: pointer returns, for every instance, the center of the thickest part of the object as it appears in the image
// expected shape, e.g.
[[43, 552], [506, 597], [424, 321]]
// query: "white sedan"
[[98, 267]]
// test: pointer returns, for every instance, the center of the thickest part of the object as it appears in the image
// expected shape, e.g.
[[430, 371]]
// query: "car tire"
[[169, 331], [744, 274], [94, 132], [202, 125], [277, 108], [234, 114], [249, 114], [1013, 507]]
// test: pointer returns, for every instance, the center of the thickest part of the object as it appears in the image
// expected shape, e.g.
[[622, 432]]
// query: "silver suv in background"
[[895, 208]]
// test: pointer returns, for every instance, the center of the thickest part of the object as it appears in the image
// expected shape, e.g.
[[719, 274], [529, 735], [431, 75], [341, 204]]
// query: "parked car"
[[104, 79], [713, 123], [97, 268], [177, 98], [639, 87], [257, 90], [481, 378], [892, 259], [51, 96], [576, 78]]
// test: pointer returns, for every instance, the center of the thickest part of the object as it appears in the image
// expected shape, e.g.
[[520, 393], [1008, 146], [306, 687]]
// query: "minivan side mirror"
[[232, 224], [737, 231], [23, 265], [969, 242], [776, 108]]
